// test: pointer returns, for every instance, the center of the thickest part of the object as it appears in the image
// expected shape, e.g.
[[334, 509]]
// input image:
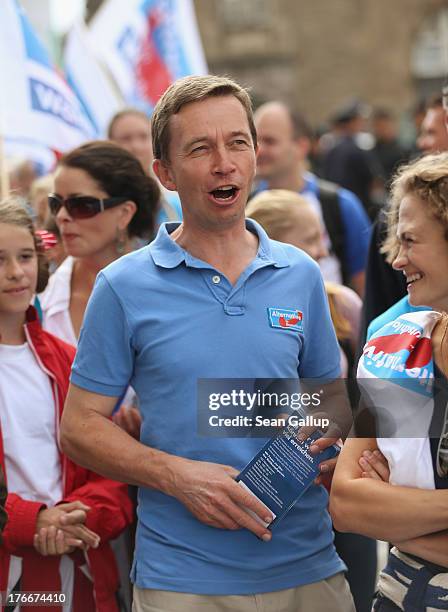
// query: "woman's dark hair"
[[52, 226], [119, 173]]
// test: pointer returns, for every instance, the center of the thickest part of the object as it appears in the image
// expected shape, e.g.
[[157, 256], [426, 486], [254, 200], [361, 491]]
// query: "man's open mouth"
[[225, 194]]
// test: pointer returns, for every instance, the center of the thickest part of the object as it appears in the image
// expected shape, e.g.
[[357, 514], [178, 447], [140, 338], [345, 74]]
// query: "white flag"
[[87, 78], [147, 44], [38, 110]]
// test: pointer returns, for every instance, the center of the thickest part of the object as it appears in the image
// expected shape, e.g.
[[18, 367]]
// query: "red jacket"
[[111, 508]]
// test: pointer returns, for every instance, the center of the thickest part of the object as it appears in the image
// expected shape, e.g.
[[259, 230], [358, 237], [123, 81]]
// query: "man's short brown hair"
[[125, 112], [193, 89]]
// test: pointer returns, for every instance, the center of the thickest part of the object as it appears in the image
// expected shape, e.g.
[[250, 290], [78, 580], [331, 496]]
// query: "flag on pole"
[[93, 87], [38, 111], [147, 44]]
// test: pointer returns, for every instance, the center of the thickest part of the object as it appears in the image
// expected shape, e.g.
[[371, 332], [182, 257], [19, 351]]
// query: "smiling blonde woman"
[[394, 487]]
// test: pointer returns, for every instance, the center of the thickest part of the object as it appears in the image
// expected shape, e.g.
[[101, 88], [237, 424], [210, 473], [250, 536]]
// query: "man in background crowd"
[[433, 137], [131, 129], [349, 163], [284, 142], [387, 150]]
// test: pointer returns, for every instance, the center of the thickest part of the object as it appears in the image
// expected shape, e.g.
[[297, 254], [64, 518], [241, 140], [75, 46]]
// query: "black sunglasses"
[[82, 207]]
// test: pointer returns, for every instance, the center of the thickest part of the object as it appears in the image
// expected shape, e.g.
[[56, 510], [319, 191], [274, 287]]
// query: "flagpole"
[[4, 175]]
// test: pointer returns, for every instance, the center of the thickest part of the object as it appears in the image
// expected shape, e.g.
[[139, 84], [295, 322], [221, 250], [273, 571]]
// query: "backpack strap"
[[331, 211]]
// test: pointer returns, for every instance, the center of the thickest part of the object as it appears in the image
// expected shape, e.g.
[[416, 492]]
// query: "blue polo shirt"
[[159, 319]]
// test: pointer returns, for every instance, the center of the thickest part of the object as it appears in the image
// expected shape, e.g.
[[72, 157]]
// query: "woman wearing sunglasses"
[[103, 202], [394, 487]]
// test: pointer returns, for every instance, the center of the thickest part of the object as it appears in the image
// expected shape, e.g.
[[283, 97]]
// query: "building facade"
[[316, 54]]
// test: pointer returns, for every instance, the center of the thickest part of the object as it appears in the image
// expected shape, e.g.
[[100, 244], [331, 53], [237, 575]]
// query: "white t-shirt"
[[55, 303], [29, 423]]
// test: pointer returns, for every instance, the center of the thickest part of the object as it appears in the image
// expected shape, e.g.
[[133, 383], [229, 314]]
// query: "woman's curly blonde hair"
[[426, 178]]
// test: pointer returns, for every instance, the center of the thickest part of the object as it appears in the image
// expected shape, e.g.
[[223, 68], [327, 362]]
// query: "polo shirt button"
[[216, 279]]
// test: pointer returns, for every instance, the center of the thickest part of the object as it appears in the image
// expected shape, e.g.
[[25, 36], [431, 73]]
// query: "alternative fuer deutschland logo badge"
[[286, 319]]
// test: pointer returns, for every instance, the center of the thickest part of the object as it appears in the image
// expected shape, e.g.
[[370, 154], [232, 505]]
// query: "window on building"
[[429, 59], [244, 14]]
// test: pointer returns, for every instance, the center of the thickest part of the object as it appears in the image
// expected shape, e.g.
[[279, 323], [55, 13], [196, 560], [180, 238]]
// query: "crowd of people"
[[151, 263]]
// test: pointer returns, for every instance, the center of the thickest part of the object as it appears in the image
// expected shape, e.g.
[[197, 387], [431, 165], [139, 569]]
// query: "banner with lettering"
[[38, 110], [146, 45]]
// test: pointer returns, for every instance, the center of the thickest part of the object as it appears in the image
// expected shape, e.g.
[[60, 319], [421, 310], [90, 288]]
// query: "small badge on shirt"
[[286, 319]]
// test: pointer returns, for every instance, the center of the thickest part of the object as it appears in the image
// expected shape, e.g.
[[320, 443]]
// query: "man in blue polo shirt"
[[284, 143], [194, 305]]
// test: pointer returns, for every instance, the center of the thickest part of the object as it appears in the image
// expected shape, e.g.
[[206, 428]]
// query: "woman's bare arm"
[[432, 547], [378, 509]]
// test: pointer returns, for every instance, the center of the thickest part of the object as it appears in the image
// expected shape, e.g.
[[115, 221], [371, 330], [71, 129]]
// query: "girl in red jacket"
[[60, 516]]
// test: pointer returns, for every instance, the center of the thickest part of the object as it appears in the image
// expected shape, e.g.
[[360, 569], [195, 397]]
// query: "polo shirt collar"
[[168, 254], [268, 250], [164, 251]]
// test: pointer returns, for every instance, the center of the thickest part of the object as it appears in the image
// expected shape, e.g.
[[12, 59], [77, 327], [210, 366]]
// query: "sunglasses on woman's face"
[[82, 207]]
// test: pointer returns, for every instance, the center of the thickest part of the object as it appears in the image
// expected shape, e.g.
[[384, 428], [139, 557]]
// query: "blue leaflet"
[[283, 470]]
